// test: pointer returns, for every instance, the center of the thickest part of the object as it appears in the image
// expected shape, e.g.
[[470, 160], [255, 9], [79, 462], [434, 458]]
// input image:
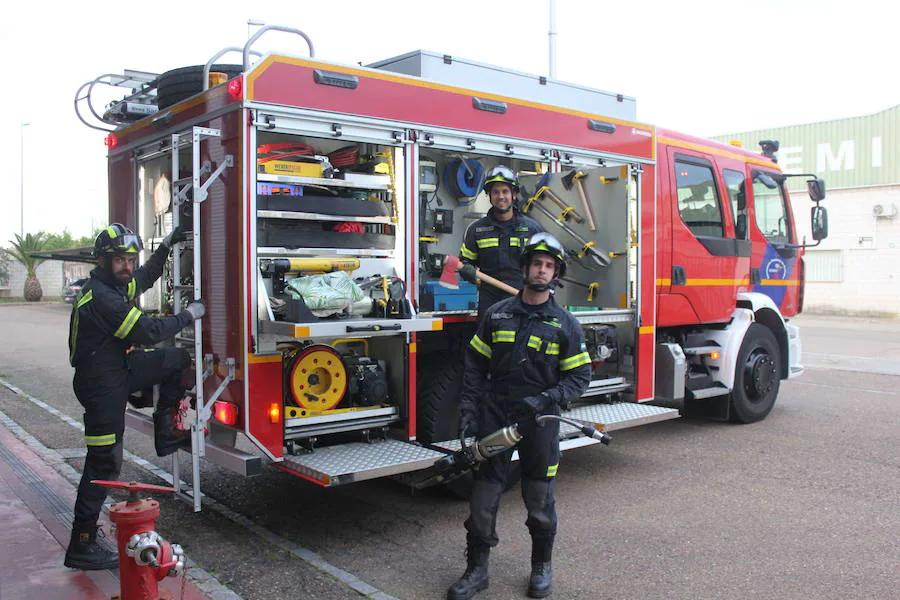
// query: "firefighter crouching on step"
[[534, 351], [104, 326], [494, 242]]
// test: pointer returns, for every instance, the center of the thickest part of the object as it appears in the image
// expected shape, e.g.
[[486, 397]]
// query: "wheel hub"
[[761, 374]]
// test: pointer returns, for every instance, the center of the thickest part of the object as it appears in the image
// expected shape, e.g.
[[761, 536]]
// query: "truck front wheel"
[[757, 376]]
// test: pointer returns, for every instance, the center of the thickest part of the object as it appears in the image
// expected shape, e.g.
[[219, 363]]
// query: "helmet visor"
[[128, 242], [545, 242]]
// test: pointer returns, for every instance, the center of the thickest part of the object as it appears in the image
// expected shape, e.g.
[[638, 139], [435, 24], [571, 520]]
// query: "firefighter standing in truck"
[[494, 243], [534, 352], [105, 326]]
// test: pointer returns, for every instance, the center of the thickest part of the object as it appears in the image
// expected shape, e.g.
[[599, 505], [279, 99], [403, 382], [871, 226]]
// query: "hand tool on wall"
[[591, 288], [448, 277], [575, 177], [600, 257], [544, 190]]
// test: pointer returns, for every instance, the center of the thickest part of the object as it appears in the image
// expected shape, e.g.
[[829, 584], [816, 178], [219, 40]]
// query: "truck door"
[[774, 270], [705, 253]]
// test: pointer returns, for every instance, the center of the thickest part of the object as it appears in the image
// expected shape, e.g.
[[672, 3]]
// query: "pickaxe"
[[575, 176], [544, 190]]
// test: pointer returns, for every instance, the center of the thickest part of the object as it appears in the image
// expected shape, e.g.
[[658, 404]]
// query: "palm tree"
[[21, 251]]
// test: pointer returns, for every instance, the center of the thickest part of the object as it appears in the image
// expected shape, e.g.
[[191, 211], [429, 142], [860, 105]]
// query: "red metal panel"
[[264, 379], [646, 325], [283, 80]]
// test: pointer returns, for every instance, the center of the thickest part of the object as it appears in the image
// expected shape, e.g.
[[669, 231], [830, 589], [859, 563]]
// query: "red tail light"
[[111, 141], [236, 88], [226, 412]]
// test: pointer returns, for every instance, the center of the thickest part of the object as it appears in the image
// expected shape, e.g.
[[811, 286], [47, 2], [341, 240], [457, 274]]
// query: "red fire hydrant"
[[145, 558]]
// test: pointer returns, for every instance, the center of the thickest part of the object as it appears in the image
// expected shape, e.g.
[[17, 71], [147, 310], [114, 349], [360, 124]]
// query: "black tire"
[[757, 376], [176, 85], [439, 389]]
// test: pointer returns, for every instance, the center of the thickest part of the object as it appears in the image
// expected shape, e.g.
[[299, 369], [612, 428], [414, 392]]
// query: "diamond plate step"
[[620, 415], [337, 465]]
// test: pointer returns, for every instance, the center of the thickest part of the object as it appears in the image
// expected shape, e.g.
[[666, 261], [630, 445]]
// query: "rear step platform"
[[337, 465], [619, 415]]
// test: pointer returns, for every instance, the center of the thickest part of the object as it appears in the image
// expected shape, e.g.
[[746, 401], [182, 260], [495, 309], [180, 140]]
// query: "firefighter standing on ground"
[[104, 327], [534, 352], [494, 242]]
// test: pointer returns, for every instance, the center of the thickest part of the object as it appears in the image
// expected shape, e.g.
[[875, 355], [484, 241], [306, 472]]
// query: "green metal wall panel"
[[846, 153]]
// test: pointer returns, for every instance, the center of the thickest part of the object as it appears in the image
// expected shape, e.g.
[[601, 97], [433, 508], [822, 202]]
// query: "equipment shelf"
[[321, 181], [290, 214]]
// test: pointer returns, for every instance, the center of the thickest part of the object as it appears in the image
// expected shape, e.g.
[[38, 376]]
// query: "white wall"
[[50, 273], [857, 269]]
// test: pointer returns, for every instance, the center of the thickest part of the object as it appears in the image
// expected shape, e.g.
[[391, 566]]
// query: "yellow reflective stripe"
[[514, 242], [112, 232], [128, 323], [466, 253], [574, 361], [73, 338], [100, 440], [85, 299], [551, 470], [503, 336], [534, 342], [552, 348], [488, 242], [481, 347], [132, 288]]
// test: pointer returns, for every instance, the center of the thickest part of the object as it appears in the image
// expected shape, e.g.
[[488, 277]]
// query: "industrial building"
[[855, 271]]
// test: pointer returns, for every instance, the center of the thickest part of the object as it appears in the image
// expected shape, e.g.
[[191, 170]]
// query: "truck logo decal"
[[775, 269]]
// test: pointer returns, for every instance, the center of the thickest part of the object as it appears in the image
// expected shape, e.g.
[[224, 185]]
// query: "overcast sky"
[[702, 67]]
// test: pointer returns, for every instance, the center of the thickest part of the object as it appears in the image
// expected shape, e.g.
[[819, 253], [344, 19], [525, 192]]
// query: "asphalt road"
[[805, 504]]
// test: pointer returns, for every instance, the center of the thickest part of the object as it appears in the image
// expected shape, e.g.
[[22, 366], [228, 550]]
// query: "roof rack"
[[137, 105]]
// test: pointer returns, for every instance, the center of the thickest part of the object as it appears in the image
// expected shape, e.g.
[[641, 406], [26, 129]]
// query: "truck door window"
[[698, 200], [737, 194], [769, 205]]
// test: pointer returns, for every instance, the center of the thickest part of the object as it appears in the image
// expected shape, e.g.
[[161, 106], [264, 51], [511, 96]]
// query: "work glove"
[[197, 309], [177, 235], [467, 272], [466, 423]]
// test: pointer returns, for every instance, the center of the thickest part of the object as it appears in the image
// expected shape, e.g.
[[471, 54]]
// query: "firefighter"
[[494, 242], [105, 329], [529, 354]]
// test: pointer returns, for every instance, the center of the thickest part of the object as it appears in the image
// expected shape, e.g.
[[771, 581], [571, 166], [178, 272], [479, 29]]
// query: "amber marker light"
[[714, 356], [275, 413]]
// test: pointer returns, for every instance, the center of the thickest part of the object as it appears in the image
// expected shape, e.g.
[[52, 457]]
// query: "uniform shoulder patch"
[[501, 315], [483, 228]]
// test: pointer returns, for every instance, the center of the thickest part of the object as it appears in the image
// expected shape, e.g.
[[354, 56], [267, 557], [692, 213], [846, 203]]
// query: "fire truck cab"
[[322, 199]]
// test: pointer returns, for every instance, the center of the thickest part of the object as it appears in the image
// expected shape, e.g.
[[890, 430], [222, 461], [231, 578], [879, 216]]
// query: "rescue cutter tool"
[[453, 466]]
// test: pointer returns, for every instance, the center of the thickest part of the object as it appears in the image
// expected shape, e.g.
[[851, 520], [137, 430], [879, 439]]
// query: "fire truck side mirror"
[[819, 217], [816, 189]]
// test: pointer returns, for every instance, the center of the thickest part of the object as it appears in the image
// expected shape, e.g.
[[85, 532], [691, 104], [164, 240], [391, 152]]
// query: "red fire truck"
[[323, 197]]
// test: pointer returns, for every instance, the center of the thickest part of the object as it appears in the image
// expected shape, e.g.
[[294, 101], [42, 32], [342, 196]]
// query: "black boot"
[[541, 582], [86, 553], [475, 578], [167, 437]]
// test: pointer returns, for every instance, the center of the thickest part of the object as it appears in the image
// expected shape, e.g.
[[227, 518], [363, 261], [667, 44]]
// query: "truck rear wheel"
[[440, 386], [757, 376]]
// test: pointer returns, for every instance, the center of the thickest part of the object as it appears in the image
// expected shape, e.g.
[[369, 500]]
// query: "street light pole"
[[22, 127]]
